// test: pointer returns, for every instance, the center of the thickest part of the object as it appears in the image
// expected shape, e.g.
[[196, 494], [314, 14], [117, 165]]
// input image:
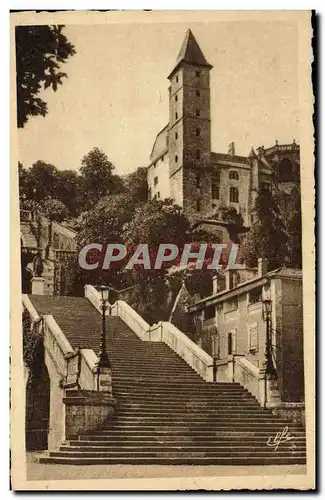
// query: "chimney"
[[231, 149], [262, 264], [215, 284], [229, 279], [37, 285]]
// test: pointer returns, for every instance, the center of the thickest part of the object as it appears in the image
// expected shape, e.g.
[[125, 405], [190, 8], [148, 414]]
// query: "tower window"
[[197, 131], [197, 73], [216, 176], [215, 191], [155, 181], [158, 195], [176, 79], [176, 158], [197, 92], [197, 112], [176, 135], [233, 175], [198, 154], [176, 116], [233, 195], [176, 98], [198, 205]]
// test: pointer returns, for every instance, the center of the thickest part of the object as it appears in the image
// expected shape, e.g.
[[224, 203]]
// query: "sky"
[[116, 94]]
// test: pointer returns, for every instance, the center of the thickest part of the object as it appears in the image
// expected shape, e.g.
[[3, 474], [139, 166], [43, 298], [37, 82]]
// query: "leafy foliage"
[[31, 339], [97, 178], [54, 209], [276, 230], [229, 215], [40, 51]]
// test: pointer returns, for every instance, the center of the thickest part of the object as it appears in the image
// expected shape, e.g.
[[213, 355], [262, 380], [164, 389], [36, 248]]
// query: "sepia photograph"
[[162, 213]]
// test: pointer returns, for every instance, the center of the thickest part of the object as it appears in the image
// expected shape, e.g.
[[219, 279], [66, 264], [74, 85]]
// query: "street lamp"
[[214, 339], [267, 311], [104, 364]]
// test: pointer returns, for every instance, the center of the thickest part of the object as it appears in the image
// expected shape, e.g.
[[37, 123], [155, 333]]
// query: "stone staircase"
[[166, 414]]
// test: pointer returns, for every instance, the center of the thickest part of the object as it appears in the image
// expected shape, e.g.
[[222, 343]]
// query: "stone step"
[[179, 453], [156, 446], [167, 460], [209, 437]]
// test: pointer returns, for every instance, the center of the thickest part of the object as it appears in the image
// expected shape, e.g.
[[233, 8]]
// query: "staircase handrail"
[[198, 359], [132, 319], [34, 316], [164, 331], [63, 356]]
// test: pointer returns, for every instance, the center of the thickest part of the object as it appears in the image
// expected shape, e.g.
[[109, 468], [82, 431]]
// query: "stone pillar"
[[262, 266], [268, 389], [86, 411], [38, 285]]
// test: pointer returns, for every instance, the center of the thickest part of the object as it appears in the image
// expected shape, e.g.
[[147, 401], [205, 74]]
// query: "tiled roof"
[[160, 144], [225, 157], [191, 53]]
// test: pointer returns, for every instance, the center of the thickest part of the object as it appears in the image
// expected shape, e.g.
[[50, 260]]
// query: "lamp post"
[[104, 364], [214, 338], [267, 310]]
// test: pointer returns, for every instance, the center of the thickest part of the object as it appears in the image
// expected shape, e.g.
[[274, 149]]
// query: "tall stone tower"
[[188, 135]]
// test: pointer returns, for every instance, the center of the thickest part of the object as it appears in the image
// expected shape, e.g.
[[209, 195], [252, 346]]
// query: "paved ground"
[[38, 472]]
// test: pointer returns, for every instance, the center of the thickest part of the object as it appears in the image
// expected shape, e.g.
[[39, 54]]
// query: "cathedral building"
[[182, 165]]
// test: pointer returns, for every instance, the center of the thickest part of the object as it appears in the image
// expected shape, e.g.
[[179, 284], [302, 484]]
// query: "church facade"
[[182, 165]]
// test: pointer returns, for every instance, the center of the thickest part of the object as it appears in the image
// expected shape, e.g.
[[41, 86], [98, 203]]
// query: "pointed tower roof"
[[190, 53], [252, 153]]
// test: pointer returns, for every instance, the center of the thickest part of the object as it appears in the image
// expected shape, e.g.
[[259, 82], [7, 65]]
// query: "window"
[[176, 98], [209, 312], [215, 191], [231, 343], [176, 158], [233, 195], [233, 175], [197, 132], [176, 136], [255, 295], [286, 173], [176, 116], [197, 112], [197, 74], [216, 176], [265, 186], [198, 154], [155, 181], [198, 205], [197, 92], [231, 305], [158, 194], [176, 79], [198, 181], [253, 337]]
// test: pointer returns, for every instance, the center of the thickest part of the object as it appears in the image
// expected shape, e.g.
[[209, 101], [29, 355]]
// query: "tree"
[[68, 190], [153, 223], [137, 186], [229, 215], [97, 180], [268, 237], [40, 181], [290, 210], [40, 51], [103, 224], [54, 209]]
